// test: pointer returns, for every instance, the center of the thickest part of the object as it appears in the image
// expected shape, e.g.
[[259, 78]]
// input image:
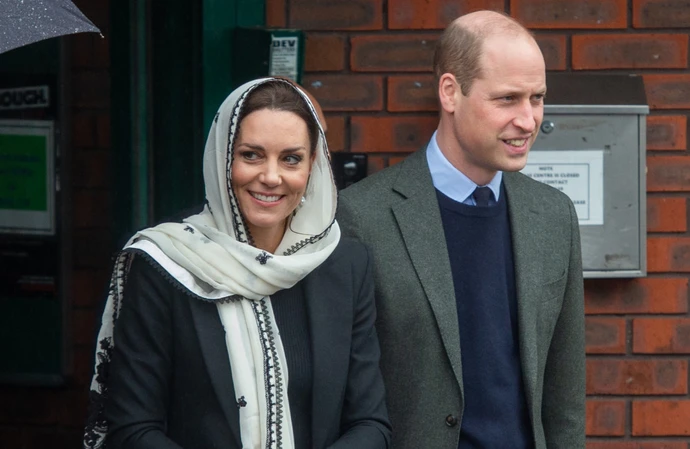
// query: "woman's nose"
[[270, 174]]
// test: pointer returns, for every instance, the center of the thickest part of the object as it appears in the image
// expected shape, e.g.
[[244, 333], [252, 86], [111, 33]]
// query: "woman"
[[249, 325]]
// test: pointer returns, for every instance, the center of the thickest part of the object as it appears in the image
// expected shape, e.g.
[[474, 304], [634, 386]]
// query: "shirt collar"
[[449, 180]]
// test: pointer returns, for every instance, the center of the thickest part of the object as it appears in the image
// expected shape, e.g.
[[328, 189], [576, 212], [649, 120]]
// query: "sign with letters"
[[27, 177], [24, 98], [578, 174], [284, 59]]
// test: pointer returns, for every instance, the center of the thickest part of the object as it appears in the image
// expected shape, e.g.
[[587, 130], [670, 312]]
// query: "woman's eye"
[[249, 155], [293, 159]]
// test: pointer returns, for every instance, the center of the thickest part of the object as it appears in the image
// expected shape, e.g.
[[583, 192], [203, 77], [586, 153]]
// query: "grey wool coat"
[[395, 212]]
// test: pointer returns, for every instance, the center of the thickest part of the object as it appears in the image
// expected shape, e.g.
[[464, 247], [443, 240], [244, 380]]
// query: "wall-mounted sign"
[[24, 98], [578, 174], [285, 55], [27, 177]]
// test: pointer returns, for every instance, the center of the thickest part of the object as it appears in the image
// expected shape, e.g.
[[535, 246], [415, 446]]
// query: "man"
[[479, 295]]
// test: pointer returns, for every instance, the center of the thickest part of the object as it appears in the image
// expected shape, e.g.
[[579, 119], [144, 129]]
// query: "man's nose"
[[526, 117]]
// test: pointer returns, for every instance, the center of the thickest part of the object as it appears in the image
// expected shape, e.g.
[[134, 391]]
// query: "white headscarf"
[[210, 254]]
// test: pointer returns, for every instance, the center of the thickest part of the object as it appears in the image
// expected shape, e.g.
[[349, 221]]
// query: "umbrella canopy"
[[25, 21]]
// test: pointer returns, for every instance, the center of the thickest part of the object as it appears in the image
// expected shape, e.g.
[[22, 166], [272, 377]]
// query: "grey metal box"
[[592, 145]]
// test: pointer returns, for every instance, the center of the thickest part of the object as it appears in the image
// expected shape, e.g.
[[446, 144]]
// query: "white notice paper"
[[283, 61], [578, 174]]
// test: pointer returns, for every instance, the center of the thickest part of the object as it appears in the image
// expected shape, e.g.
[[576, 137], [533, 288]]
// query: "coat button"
[[451, 421]]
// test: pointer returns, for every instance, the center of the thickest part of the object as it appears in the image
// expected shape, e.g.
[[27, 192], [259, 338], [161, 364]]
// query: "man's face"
[[496, 124]]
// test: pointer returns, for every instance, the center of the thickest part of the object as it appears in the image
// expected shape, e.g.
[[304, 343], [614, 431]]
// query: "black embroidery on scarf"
[[272, 381], [263, 257], [96, 425], [189, 229], [241, 402], [238, 220], [302, 243]]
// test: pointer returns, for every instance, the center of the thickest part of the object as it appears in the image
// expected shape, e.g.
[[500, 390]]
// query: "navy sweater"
[[479, 245]]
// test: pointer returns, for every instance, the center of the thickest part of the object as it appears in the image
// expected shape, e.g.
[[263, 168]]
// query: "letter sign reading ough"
[[578, 174]]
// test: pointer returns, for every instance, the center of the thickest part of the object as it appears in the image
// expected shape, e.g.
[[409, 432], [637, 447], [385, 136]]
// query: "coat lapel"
[[526, 218], [419, 220], [215, 354], [329, 300]]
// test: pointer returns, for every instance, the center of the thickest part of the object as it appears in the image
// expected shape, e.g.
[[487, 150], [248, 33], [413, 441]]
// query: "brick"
[[83, 365], [83, 327], [324, 52], [89, 287], [668, 254], [336, 133], [412, 93], [668, 174], [668, 91], [12, 437], [89, 51], [661, 336], [605, 418], [346, 92], [390, 134], [667, 214], [55, 438], [91, 209], [661, 13], [637, 377], [661, 418], [83, 130], [631, 296], [276, 16], [93, 249], [26, 405], [553, 48], [103, 136], [330, 15], [92, 169], [605, 335], [380, 53], [629, 51], [667, 132], [636, 445], [583, 14], [433, 14], [395, 159], [90, 88], [374, 164]]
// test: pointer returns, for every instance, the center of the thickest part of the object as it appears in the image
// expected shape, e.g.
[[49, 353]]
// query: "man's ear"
[[448, 92]]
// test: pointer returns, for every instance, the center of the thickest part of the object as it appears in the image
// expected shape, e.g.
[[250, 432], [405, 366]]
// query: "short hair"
[[280, 95], [459, 49]]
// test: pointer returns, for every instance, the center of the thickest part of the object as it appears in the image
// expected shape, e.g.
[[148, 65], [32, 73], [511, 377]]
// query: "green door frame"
[[166, 87]]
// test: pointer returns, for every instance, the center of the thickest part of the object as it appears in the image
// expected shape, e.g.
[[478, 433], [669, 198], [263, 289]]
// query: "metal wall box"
[[592, 146]]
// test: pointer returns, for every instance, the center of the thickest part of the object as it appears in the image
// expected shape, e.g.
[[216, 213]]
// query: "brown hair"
[[281, 96], [459, 49]]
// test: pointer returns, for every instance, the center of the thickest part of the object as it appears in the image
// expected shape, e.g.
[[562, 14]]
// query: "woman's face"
[[270, 170]]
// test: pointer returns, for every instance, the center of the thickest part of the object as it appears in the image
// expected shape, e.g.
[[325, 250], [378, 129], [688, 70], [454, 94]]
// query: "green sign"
[[23, 172]]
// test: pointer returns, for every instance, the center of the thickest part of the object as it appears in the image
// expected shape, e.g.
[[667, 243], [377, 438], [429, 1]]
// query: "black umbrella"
[[25, 21]]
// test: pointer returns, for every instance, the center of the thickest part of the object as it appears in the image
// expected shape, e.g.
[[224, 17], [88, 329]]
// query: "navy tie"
[[483, 196]]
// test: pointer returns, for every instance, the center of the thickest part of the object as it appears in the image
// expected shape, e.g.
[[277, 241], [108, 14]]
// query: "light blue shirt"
[[452, 182]]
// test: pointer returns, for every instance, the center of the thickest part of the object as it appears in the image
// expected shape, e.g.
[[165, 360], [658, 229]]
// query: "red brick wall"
[[369, 64], [31, 417]]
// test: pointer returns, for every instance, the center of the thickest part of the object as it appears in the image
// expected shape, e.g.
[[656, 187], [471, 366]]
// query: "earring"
[[301, 202]]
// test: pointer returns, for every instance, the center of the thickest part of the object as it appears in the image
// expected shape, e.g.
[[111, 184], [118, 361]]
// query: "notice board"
[[31, 317]]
